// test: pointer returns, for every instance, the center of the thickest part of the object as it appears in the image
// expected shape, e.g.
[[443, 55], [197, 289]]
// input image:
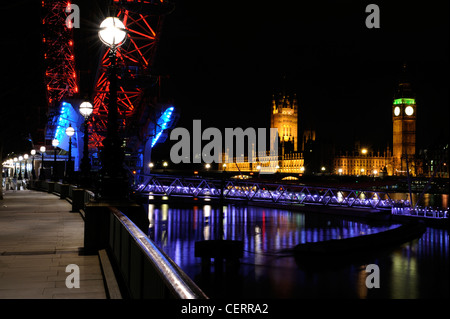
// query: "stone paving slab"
[[39, 237]]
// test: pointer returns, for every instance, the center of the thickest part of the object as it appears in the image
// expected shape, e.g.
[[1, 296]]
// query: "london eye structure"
[[143, 116]]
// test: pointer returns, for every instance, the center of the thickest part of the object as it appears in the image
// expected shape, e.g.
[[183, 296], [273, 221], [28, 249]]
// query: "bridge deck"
[[260, 191]]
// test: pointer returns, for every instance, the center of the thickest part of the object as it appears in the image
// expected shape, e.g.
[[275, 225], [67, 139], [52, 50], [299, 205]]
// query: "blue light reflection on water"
[[416, 269]]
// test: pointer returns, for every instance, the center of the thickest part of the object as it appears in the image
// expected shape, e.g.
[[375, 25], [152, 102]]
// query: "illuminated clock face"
[[397, 111], [409, 110]]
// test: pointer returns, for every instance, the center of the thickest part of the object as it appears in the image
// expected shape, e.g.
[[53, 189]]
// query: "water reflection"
[[434, 200], [417, 269]]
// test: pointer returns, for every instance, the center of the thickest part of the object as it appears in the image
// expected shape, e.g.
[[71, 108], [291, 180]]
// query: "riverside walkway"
[[39, 238]]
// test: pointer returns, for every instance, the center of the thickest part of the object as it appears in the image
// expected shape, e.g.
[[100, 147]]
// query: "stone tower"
[[404, 127], [284, 117]]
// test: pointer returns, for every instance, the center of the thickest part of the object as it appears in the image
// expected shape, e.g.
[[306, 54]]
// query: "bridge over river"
[[282, 194]]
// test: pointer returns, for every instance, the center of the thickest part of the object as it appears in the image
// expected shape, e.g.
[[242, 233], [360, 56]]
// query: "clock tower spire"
[[404, 127]]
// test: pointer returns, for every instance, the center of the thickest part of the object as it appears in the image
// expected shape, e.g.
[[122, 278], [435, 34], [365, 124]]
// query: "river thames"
[[416, 269]]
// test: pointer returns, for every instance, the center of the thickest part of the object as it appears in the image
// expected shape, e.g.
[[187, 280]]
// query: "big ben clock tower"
[[404, 129]]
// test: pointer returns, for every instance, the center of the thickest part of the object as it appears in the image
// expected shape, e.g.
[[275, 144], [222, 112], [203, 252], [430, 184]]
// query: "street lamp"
[[112, 32], [42, 171], [86, 109], [114, 183], [25, 156], [20, 168], [55, 144], [70, 131], [33, 173], [15, 167]]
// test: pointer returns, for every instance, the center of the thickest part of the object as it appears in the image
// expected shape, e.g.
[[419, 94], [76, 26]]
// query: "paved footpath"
[[39, 237]]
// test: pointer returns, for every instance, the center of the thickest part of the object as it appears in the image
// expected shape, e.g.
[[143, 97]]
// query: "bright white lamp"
[[112, 32], [70, 131], [86, 109]]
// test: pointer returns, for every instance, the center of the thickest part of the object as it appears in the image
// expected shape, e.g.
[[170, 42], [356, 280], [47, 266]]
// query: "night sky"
[[226, 59]]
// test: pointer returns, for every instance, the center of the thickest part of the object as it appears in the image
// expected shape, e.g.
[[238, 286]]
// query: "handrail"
[[175, 279]]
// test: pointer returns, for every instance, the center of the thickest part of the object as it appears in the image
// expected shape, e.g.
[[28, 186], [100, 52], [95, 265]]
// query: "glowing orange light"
[[70, 42]]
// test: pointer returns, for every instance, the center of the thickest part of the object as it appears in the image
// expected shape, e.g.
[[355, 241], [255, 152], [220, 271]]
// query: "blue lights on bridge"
[[162, 124]]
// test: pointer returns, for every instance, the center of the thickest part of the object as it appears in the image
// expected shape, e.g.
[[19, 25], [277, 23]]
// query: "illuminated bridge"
[[283, 194]]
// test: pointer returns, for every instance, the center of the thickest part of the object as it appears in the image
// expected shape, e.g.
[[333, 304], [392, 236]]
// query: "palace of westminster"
[[306, 156]]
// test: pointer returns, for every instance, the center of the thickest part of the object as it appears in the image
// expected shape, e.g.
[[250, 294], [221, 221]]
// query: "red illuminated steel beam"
[[143, 21], [59, 60], [60, 76]]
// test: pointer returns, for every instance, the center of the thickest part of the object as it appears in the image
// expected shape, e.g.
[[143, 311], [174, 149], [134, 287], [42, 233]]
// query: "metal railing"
[[428, 212], [147, 271]]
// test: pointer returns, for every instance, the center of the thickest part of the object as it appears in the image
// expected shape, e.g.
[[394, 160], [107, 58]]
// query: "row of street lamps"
[[113, 177], [86, 110]]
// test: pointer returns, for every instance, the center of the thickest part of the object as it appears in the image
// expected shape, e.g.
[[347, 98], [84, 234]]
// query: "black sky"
[[227, 58]]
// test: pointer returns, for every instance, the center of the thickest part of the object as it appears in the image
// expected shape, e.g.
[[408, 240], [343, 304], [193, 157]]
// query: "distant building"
[[364, 162], [404, 129], [284, 117], [308, 155]]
